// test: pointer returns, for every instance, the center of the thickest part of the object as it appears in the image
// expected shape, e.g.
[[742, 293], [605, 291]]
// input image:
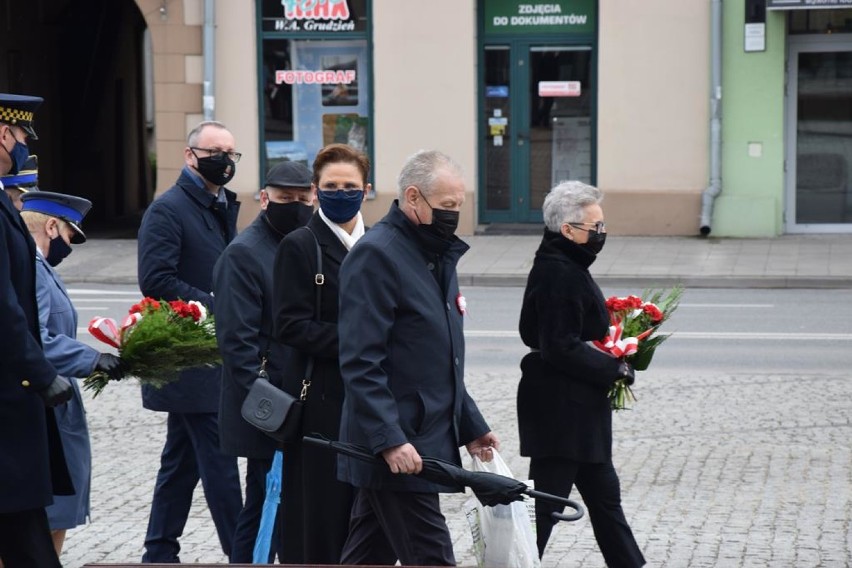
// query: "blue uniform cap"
[[26, 179], [69, 208], [19, 110]]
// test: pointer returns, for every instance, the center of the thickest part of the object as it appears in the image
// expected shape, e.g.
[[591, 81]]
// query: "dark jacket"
[[402, 354], [242, 282], [319, 520], [32, 463], [563, 409], [182, 235]]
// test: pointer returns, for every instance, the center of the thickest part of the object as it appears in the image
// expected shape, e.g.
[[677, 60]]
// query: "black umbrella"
[[490, 488]]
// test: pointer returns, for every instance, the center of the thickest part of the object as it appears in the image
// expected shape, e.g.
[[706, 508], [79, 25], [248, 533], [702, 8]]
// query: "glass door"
[[537, 125], [819, 126]]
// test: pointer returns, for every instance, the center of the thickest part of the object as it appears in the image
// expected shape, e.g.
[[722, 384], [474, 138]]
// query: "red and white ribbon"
[[106, 330], [128, 323]]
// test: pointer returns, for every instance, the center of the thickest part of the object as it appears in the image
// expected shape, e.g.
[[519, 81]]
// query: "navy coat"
[[32, 465], [58, 324], [181, 237], [402, 354], [563, 409], [242, 280]]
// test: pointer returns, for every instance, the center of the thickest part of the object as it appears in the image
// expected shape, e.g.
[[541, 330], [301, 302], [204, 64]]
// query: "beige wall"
[[653, 113], [424, 71]]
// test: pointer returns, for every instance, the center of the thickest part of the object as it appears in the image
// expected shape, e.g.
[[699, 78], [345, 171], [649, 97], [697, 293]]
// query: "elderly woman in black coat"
[[564, 413]]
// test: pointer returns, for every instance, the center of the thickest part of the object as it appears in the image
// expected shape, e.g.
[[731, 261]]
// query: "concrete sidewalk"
[[789, 261]]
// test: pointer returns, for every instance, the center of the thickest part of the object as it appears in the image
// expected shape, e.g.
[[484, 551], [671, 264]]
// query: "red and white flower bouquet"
[[157, 340], [633, 336]]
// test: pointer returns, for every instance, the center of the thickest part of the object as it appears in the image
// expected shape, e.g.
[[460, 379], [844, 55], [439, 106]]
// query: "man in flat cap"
[[182, 235], [32, 463], [242, 279], [54, 221], [26, 180]]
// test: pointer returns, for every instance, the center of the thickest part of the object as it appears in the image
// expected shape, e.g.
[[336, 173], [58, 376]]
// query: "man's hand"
[[481, 447], [56, 393], [403, 459], [111, 365]]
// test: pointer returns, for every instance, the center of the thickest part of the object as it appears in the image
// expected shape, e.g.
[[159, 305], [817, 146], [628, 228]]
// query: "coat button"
[[457, 361], [431, 266], [25, 383], [448, 306]]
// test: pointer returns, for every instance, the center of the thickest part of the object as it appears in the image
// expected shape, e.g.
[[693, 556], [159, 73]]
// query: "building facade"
[[522, 93]]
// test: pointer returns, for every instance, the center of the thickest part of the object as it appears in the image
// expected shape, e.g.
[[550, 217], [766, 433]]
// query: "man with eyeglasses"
[[181, 237]]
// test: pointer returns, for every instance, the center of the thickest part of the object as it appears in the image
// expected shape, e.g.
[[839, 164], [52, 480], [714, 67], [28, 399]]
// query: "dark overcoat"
[[319, 521], [242, 283], [32, 464], [402, 354], [563, 409], [181, 237]]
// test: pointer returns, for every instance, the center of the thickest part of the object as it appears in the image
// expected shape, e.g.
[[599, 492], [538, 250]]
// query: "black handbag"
[[273, 411]]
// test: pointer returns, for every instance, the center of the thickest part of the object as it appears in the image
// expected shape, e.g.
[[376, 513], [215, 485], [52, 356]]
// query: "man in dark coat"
[[244, 329], [402, 360], [182, 235], [32, 464]]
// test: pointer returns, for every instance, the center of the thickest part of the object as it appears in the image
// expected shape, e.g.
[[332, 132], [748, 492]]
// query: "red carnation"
[[147, 305], [654, 312]]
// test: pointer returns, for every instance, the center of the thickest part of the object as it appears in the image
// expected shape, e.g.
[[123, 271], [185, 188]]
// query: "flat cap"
[[69, 208], [289, 174]]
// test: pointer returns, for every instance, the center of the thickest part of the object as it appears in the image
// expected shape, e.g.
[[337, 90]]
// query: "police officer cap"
[[26, 179], [69, 208], [19, 110], [289, 174]]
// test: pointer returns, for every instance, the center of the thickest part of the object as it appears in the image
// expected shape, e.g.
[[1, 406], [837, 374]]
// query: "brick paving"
[[746, 470]]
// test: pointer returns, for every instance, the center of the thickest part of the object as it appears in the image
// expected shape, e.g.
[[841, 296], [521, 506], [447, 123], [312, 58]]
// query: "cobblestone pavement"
[[752, 470]]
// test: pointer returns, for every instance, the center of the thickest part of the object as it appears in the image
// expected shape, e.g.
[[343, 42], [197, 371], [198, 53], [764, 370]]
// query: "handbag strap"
[[319, 281]]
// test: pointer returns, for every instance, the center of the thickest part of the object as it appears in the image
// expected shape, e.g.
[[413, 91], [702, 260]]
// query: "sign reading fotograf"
[[313, 15], [525, 17], [806, 4]]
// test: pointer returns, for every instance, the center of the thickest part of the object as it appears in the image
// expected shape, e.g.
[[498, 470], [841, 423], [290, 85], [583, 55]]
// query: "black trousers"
[[387, 526], [598, 484], [192, 453], [25, 540]]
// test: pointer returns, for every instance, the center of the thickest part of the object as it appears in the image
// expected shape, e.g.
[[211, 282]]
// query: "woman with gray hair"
[[564, 413]]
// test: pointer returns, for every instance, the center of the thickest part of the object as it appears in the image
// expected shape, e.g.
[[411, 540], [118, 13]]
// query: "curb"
[[625, 281]]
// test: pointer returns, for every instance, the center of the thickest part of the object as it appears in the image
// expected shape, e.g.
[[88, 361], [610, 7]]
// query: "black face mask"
[[58, 250], [595, 243], [444, 221], [285, 217], [217, 170]]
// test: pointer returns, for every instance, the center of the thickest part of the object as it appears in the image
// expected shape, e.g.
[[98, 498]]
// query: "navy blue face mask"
[[342, 205], [19, 155]]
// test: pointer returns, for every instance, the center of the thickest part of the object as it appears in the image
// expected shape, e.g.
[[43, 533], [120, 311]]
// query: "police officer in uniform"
[[32, 465]]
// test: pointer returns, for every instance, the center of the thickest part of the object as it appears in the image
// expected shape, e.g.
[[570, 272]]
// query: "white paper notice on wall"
[[498, 140], [559, 88], [755, 37]]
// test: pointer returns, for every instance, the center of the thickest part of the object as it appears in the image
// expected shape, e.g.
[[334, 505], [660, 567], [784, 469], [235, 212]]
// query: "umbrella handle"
[[578, 513], [575, 516]]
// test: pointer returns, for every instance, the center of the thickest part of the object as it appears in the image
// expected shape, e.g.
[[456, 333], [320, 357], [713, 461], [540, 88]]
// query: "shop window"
[[820, 21], [315, 77]]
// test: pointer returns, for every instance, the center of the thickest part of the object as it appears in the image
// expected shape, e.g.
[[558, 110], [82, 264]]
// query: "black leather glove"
[[626, 373], [111, 365], [56, 393]]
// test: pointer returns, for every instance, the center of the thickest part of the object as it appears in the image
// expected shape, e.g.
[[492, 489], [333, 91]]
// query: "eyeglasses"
[[599, 227], [217, 154]]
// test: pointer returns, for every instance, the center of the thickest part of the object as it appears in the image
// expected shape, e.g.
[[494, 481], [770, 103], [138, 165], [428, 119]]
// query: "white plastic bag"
[[504, 535]]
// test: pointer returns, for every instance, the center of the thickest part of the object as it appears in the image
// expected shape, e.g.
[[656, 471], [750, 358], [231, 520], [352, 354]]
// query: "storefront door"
[[819, 134], [536, 125]]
